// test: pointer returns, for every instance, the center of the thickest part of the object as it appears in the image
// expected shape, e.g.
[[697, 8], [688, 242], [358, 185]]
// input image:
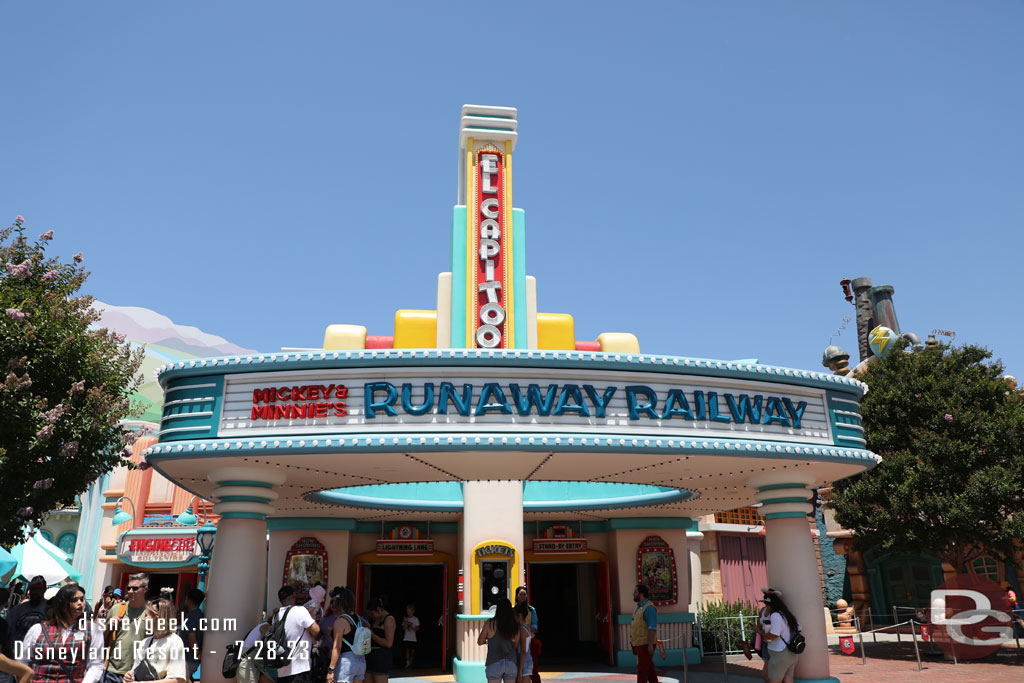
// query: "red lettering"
[[340, 410], [327, 390], [321, 409], [283, 394], [298, 393], [313, 392], [298, 411], [342, 391], [262, 412], [263, 395]]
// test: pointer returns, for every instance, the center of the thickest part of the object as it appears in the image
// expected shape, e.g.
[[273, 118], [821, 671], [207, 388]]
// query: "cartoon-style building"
[[482, 446]]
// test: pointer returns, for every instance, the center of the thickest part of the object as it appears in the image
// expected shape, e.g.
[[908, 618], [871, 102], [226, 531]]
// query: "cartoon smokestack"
[[865, 314]]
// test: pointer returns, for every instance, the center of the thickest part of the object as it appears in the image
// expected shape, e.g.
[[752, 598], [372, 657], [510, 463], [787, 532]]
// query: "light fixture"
[[120, 516], [204, 537], [188, 517]]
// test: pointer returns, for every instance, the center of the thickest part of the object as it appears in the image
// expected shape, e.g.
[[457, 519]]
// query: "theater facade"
[[481, 446]]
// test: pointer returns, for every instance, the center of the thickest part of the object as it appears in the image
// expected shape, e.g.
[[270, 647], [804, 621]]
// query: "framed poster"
[[656, 569], [304, 566]]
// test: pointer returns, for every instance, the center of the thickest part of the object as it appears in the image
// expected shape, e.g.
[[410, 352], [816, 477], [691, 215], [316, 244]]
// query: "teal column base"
[[625, 659], [468, 672], [830, 679]]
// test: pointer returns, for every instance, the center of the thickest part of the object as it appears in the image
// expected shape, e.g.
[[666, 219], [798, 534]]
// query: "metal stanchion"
[[860, 634], [896, 620], [917, 653], [725, 663]]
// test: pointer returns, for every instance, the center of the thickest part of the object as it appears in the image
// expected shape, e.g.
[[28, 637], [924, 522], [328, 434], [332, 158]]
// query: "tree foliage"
[[66, 384], [950, 430]]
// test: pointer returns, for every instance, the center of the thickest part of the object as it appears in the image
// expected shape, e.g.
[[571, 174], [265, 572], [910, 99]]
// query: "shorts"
[[780, 663], [351, 667], [503, 669], [379, 661], [528, 665]]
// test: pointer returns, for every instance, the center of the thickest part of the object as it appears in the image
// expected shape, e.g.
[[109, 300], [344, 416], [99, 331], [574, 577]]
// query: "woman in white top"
[[782, 625], [64, 648], [164, 650]]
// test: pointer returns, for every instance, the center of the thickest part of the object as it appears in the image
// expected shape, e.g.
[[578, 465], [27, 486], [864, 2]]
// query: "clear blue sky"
[[701, 175]]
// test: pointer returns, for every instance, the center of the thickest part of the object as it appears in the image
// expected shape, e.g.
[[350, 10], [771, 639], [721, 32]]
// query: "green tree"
[[66, 384], [950, 430]]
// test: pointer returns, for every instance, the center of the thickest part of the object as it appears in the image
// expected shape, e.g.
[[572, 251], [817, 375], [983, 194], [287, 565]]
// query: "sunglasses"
[[131, 589]]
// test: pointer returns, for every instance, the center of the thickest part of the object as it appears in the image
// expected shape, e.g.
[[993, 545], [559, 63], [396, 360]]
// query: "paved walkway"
[[886, 662]]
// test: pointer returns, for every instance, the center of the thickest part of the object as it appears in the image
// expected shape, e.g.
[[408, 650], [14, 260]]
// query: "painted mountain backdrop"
[[165, 342]]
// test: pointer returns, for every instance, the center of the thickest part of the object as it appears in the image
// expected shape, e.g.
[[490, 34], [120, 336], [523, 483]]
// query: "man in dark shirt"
[[191, 634]]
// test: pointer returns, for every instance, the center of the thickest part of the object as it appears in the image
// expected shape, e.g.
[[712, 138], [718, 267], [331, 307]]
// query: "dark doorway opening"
[[423, 586], [568, 612]]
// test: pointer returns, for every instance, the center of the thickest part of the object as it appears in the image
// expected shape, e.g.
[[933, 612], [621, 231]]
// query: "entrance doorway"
[[423, 585], [573, 608]]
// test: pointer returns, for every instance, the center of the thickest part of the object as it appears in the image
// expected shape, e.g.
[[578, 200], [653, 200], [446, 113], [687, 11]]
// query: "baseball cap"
[[117, 592], [37, 581], [285, 591]]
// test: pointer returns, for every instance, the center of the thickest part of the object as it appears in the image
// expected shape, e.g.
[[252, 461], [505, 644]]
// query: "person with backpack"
[[24, 616], [125, 627], [351, 643], [162, 654], [65, 648], [785, 642], [293, 628]]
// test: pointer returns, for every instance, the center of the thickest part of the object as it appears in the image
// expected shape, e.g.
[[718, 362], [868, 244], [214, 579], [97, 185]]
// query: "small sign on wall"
[[656, 569], [305, 565]]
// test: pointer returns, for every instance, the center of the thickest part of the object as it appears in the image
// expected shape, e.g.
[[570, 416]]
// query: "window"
[[66, 542], [47, 535], [986, 566], [747, 516]]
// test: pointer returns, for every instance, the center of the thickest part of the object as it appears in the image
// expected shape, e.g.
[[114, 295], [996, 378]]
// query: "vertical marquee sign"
[[490, 246]]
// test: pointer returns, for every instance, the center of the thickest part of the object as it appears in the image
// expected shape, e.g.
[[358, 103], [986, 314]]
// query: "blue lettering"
[[647, 408], [796, 413], [774, 413], [428, 399], [525, 404], [447, 394], [500, 403], [676, 404], [371, 402], [744, 410], [698, 400], [713, 408], [600, 402], [573, 391]]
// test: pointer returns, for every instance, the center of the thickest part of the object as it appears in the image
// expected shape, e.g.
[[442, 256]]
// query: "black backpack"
[[797, 643], [275, 650]]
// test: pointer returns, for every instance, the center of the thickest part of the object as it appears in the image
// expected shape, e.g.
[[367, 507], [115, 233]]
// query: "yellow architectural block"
[[555, 331], [618, 342], [344, 337], [415, 329]]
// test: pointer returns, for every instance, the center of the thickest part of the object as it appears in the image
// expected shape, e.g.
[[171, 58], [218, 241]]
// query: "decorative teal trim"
[[458, 268], [790, 499], [493, 358], [663, 618], [468, 672], [111, 499], [158, 531], [473, 617], [110, 552], [625, 659], [195, 406], [830, 679], [519, 275], [785, 515], [243, 515], [243, 499], [240, 482], [313, 524], [773, 487], [652, 523]]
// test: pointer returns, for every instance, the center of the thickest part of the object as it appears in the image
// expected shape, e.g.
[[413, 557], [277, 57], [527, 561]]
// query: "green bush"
[[712, 622]]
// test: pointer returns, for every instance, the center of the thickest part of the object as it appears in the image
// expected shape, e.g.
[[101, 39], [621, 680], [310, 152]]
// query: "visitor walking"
[[300, 631], [326, 642], [345, 665], [65, 648], [27, 614], [125, 627], [502, 636], [250, 668], [522, 611], [383, 627], [782, 627], [522, 596], [191, 633], [643, 634], [106, 602], [410, 625], [162, 654]]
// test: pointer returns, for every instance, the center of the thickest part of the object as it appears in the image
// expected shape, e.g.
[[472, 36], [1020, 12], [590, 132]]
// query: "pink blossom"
[[16, 314], [45, 433], [49, 275], [19, 218], [47, 236], [77, 257], [21, 271], [26, 512], [43, 484], [948, 417], [119, 337], [53, 415], [78, 387], [69, 450]]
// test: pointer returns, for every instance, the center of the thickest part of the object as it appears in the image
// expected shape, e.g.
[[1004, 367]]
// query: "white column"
[[238, 569], [693, 539], [792, 564]]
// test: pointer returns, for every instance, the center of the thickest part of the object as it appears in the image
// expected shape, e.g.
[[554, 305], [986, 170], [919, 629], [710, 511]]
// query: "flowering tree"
[[950, 430], [65, 389]]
